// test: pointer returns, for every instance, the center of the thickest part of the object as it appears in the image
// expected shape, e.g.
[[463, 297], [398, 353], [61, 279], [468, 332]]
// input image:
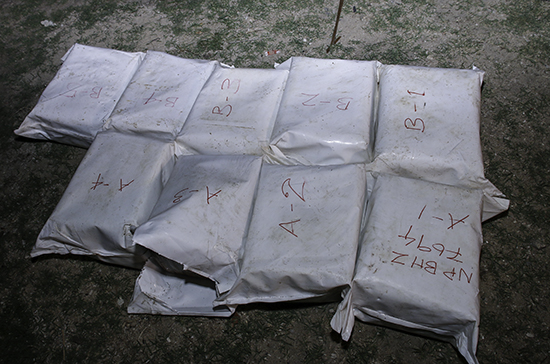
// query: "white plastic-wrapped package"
[[160, 96], [83, 93], [418, 266], [202, 215], [235, 112], [303, 235], [326, 112], [112, 192], [160, 292], [428, 125]]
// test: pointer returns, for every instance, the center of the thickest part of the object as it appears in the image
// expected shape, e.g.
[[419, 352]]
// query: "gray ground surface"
[[70, 310]]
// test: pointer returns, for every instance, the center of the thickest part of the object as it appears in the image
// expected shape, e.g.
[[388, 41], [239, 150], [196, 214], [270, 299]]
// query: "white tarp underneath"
[[161, 292]]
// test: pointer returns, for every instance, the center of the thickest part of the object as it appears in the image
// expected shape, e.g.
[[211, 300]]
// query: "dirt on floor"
[[71, 310]]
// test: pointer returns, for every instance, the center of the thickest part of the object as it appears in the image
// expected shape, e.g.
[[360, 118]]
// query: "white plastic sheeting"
[[246, 186], [428, 124], [201, 217], [326, 112], [234, 113], [418, 267], [303, 234], [162, 292], [427, 127], [112, 192], [83, 93], [160, 96]]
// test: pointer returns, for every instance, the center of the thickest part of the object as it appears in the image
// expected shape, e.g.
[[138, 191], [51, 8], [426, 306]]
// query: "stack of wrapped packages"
[[318, 180]]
